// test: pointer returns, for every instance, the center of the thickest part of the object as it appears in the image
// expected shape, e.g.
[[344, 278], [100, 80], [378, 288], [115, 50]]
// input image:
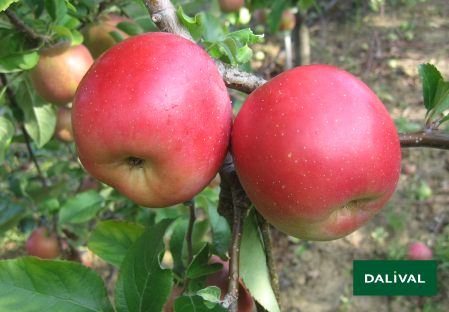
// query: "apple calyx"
[[135, 162]]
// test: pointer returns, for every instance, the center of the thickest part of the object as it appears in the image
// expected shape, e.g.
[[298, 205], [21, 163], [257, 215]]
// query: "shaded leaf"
[[430, 79], [20, 60], [6, 134], [81, 207], [143, 285], [112, 239], [199, 266], [253, 265], [30, 284], [130, 29], [194, 304]]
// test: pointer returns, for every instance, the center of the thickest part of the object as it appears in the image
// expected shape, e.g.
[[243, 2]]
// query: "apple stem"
[[191, 204], [268, 243], [233, 205]]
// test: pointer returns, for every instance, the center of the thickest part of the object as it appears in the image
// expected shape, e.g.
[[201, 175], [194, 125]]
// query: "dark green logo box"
[[395, 277]]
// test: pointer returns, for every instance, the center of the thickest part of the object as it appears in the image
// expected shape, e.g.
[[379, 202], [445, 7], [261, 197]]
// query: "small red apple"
[[175, 292], [96, 36], [221, 280], [42, 244], [316, 152], [59, 71], [63, 130], [288, 21], [228, 6], [419, 252], [152, 118]]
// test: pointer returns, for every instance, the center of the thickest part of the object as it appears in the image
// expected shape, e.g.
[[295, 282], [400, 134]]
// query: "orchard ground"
[[317, 276]]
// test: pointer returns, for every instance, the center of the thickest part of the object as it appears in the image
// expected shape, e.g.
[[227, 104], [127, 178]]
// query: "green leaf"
[[69, 22], [441, 99], [11, 212], [112, 239], [81, 207], [77, 38], [20, 60], [274, 18], [40, 117], [130, 29], [199, 266], [6, 134], [244, 54], [221, 232], [211, 294], [176, 245], [62, 31], [430, 79], [212, 27], [56, 8], [70, 6], [253, 265], [4, 4], [306, 4], [30, 284], [50, 203], [143, 285], [117, 36], [194, 304], [194, 25], [245, 36]]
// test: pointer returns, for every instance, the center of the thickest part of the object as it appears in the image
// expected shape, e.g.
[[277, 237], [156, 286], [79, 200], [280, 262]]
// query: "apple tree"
[[312, 152]]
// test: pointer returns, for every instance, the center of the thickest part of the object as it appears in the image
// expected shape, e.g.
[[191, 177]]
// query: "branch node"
[[156, 17]]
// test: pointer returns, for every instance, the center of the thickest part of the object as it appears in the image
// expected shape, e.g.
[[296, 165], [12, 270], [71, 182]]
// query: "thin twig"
[[191, 204], [20, 25], [424, 139], [268, 244]]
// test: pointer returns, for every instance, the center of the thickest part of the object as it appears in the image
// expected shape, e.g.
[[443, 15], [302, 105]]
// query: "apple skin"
[[227, 6], [96, 36], [419, 252], [221, 280], [63, 130], [316, 152], [43, 245], [288, 21], [168, 106], [59, 71]]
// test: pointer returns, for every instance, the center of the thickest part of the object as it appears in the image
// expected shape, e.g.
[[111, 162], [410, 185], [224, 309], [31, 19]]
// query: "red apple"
[[175, 293], [59, 71], [42, 244], [221, 280], [152, 118], [419, 252], [63, 130], [316, 152], [96, 36], [288, 21], [228, 6]]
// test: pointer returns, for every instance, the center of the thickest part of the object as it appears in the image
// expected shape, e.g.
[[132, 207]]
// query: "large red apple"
[[59, 71], [152, 118], [227, 6], [42, 244], [63, 130], [316, 152], [96, 36]]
